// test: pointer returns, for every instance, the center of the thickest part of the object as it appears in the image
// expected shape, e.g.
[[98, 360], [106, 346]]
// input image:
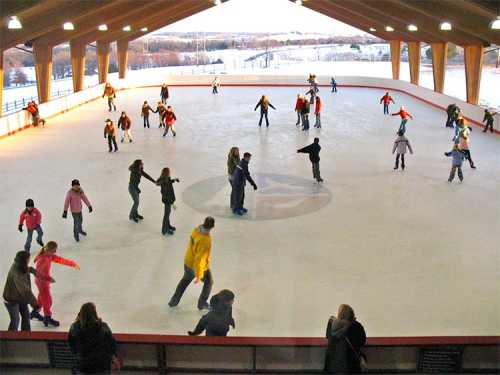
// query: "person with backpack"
[[400, 145], [125, 124], [240, 176], [73, 201], [264, 105], [168, 199], [33, 218], [110, 134], [346, 337], [220, 317], [386, 99], [169, 120], [136, 172], [313, 150], [146, 108]]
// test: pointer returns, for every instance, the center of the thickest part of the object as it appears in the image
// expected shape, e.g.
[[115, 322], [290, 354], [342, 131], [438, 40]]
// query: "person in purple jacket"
[[73, 201]]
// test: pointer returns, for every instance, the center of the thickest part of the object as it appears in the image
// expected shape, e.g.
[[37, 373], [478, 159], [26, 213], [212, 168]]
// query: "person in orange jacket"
[[317, 112], [110, 133], [43, 279], [405, 115], [197, 264], [299, 103], [110, 93], [386, 99]]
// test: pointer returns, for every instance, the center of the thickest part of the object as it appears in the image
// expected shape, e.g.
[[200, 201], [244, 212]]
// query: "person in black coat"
[[313, 150], [136, 172], [91, 340], [346, 336], [220, 318], [452, 112], [240, 176], [164, 94], [168, 199]]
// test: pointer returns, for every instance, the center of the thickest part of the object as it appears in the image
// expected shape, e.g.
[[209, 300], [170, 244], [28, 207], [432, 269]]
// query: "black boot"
[[35, 314], [47, 320]]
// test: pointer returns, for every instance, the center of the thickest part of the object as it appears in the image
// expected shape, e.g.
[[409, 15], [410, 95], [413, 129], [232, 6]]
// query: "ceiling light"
[[372, 29], [144, 29], [389, 28], [102, 27], [298, 2], [68, 26], [217, 2], [412, 28], [14, 23], [127, 28], [495, 25], [445, 26]]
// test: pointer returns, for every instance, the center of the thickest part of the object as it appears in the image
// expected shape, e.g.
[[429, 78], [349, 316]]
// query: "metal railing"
[[16, 105]]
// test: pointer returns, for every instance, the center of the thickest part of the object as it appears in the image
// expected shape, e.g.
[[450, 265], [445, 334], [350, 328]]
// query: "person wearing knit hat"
[[33, 219], [110, 133], [73, 201]]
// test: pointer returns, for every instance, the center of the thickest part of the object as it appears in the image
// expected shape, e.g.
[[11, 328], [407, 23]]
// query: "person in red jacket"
[[125, 124], [33, 219], [169, 120], [386, 99], [43, 279], [404, 119], [317, 112], [73, 201], [298, 108]]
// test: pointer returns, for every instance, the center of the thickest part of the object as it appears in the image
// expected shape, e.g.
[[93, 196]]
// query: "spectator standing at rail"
[[306, 108], [168, 199], [136, 172], [92, 341], [17, 293], [110, 134], [313, 150], [233, 159], [333, 83], [346, 336], [146, 108], [33, 218], [489, 118], [405, 115], [317, 112], [299, 103], [110, 93], [73, 201], [264, 105], [215, 86], [386, 99], [452, 112], [160, 109], [240, 176], [197, 264], [169, 120], [32, 108], [125, 124], [401, 144], [164, 94]]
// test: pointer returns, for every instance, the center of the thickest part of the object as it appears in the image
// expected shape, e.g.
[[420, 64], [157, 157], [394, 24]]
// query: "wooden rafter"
[[10, 8]]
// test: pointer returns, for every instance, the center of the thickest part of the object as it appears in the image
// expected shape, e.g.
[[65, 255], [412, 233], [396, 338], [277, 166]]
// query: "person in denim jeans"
[[136, 172], [33, 219]]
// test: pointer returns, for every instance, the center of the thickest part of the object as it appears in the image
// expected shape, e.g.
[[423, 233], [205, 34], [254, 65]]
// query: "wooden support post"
[[1, 81], [395, 57], [43, 70], [473, 58], [122, 48], [439, 56], [414, 60], [103, 60], [77, 64]]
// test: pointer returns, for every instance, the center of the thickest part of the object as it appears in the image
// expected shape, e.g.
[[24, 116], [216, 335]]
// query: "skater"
[[313, 82], [334, 84], [33, 219], [456, 163], [92, 341], [110, 93], [32, 108], [452, 112], [264, 105], [73, 201], [17, 293], [110, 133], [463, 145], [233, 159], [386, 99], [168, 199], [169, 120], [197, 264], [240, 176], [404, 118], [489, 118], [346, 336], [299, 103], [145, 113], [400, 145], [43, 262], [220, 317], [164, 94], [215, 85], [313, 150], [125, 124], [136, 172], [317, 112], [305, 115], [160, 109], [312, 92]]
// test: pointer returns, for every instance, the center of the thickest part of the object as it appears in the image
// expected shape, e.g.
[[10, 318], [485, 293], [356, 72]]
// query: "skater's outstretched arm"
[[200, 327], [258, 105], [272, 106], [144, 174], [65, 261], [305, 150]]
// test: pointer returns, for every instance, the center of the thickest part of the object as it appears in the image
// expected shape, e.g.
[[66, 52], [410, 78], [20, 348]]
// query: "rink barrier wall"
[[186, 354], [21, 120]]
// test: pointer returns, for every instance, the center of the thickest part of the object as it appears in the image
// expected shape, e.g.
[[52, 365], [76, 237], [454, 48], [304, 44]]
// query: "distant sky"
[[261, 16]]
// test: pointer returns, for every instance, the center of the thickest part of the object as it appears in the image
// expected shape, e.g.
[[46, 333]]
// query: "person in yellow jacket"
[[196, 264]]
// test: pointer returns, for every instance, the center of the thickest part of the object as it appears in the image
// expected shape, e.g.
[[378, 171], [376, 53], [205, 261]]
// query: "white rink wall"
[[17, 121]]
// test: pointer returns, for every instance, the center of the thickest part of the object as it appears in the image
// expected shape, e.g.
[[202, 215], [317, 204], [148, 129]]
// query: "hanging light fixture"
[[217, 2], [495, 25], [103, 27], [68, 26], [127, 28], [412, 27], [144, 29], [445, 26], [14, 23], [298, 2], [372, 29], [389, 29]]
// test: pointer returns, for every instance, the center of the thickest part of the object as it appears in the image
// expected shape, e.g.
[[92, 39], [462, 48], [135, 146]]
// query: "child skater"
[[168, 199], [160, 109], [73, 201], [145, 113], [401, 144], [317, 111], [334, 84], [43, 262], [125, 124], [456, 163], [169, 120], [33, 219], [404, 118]]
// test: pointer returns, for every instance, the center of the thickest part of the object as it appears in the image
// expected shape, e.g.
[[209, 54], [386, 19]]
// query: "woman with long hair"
[[233, 159], [168, 199], [92, 341], [264, 105], [136, 172]]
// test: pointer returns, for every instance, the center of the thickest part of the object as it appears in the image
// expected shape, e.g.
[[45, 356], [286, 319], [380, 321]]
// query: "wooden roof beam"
[[478, 8], [16, 7]]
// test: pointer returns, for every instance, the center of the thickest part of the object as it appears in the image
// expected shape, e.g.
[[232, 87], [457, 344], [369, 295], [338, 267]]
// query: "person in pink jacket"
[[43, 279], [33, 219], [73, 201]]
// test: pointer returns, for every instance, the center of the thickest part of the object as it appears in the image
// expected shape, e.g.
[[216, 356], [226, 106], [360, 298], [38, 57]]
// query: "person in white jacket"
[[401, 144]]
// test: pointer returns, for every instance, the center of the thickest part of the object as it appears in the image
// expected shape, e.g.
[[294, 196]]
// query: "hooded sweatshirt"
[[18, 286], [401, 144], [197, 256], [217, 321]]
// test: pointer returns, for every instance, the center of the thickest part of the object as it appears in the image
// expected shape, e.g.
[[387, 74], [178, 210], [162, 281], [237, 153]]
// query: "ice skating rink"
[[413, 254]]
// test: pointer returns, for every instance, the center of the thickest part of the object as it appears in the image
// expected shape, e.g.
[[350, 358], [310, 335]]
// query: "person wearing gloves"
[[386, 99], [168, 199], [313, 150], [146, 108], [405, 115], [33, 218], [400, 145], [264, 105], [110, 133], [73, 201], [240, 176], [136, 172]]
